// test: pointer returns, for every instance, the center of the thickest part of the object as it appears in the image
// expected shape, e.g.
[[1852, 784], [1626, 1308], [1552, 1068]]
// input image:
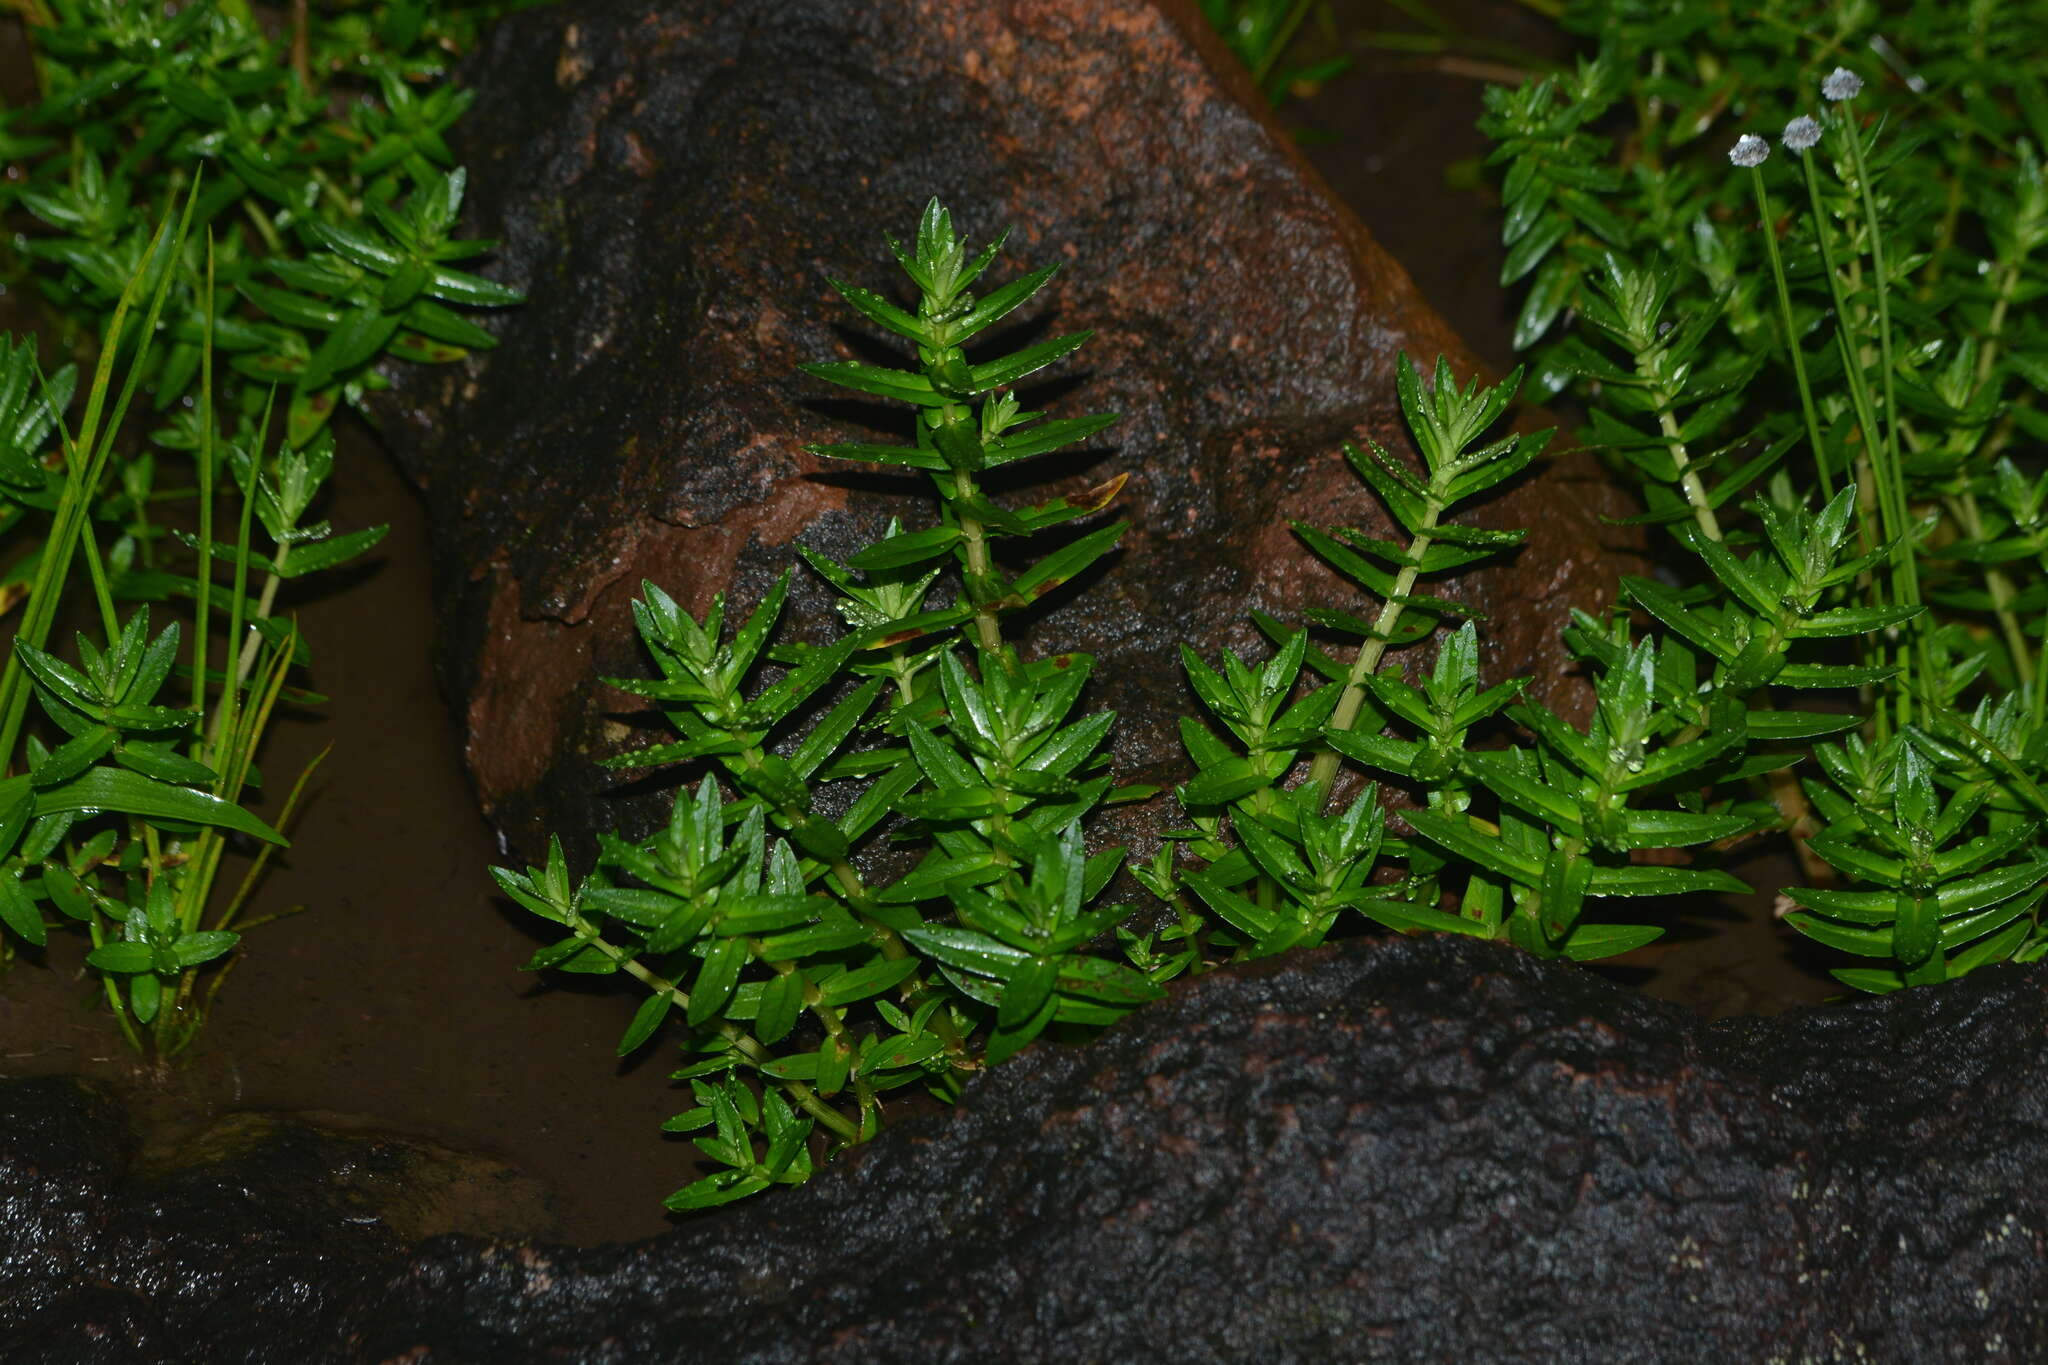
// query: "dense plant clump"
[[193, 187], [321, 174], [812, 988], [812, 984], [1833, 413], [1823, 368]]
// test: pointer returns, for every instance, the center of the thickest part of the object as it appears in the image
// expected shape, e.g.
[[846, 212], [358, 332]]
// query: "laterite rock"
[[673, 182]]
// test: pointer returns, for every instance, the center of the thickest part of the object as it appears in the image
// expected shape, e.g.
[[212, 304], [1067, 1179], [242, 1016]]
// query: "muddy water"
[[397, 995]]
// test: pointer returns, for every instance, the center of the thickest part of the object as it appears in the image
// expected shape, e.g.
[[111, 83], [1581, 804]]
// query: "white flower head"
[[1802, 133], [1841, 84], [1749, 150]]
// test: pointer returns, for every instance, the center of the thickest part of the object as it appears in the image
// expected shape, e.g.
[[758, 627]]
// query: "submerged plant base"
[[396, 994], [1409, 1149]]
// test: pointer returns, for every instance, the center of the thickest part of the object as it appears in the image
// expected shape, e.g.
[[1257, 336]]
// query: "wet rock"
[[1414, 1149], [117, 1247], [364, 1173], [671, 183]]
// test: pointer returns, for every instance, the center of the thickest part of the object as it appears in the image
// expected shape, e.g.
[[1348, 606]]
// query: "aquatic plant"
[[1833, 417], [1821, 368], [811, 984], [329, 191], [195, 189]]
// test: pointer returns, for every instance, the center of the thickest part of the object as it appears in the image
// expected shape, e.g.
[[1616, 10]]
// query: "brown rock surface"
[[672, 183]]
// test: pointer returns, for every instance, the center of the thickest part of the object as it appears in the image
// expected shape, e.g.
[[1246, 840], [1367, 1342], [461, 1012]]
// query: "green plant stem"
[[1889, 444], [1872, 460], [857, 895], [1852, 367], [196, 887], [1883, 283], [335, 194], [202, 621], [1792, 347], [231, 692], [987, 631], [1351, 700], [226, 918], [1999, 585], [1688, 477], [113, 992], [103, 594], [2005, 283], [302, 32], [833, 1021], [268, 233], [906, 688], [742, 1042], [915, 991], [1944, 238], [83, 472], [265, 601]]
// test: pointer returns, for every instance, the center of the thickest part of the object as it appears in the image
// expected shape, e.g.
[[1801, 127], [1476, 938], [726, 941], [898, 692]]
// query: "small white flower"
[[1801, 133], [1749, 150], [1841, 84]]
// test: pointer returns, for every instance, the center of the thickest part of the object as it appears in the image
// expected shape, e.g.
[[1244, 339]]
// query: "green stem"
[[114, 1001], [859, 899], [233, 755], [102, 591], [264, 229], [302, 43], [203, 582], [742, 1042], [1688, 477], [988, 633], [1352, 699], [914, 991], [264, 603], [1770, 231], [1872, 460], [833, 1021], [1970, 518], [336, 195], [1890, 443], [906, 692], [1859, 395], [85, 459], [226, 919], [231, 694]]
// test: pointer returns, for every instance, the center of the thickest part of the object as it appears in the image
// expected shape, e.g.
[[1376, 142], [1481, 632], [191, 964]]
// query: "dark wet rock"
[[1415, 1149], [364, 1173], [113, 1247], [671, 184]]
